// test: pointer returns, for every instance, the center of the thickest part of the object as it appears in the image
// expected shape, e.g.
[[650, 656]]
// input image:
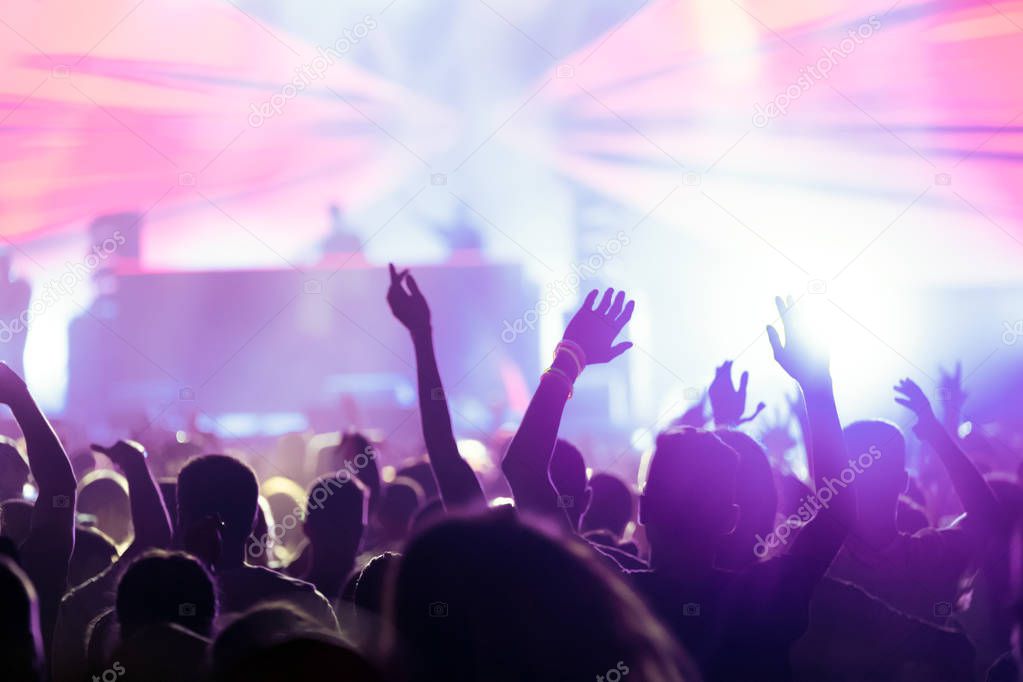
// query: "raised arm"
[[808, 364], [148, 513], [458, 484], [46, 551], [951, 386], [981, 505], [589, 339], [727, 403]]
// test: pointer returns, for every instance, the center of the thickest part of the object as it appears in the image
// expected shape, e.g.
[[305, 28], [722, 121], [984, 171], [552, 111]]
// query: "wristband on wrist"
[[570, 353], [575, 348], [561, 375]]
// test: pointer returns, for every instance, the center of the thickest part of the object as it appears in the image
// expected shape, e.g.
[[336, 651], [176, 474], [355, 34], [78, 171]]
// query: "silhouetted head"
[[259, 628], [357, 455], [428, 513], [369, 588], [422, 473], [169, 491], [757, 499], [466, 587], [16, 520], [567, 472], [336, 516], [690, 490], [877, 452], [21, 644], [161, 588], [83, 463], [303, 658], [611, 505], [94, 552], [103, 495], [13, 470], [398, 504], [219, 486]]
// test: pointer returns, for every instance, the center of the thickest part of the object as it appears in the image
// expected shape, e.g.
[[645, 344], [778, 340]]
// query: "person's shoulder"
[[280, 581], [617, 559], [252, 584], [956, 538], [98, 587], [643, 580], [785, 578]]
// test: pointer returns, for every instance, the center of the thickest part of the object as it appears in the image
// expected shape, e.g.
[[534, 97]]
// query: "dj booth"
[[280, 341]]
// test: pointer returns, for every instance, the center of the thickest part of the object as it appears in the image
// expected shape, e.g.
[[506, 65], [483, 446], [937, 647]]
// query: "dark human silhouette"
[[582, 619], [223, 488], [612, 505], [458, 485], [21, 643], [735, 549], [335, 518]]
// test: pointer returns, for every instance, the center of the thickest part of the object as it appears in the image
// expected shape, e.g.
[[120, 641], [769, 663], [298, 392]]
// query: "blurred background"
[[203, 196]]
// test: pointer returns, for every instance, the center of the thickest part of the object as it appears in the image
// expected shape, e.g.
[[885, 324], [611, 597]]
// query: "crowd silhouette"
[[721, 564]]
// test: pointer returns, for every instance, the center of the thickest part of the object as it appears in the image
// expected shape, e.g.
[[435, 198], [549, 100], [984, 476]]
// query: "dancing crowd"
[[719, 561]]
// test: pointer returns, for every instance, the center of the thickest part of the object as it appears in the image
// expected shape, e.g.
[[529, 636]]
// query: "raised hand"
[[801, 357], [727, 403], [458, 484], [409, 306], [595, 328], [915, 400], [148, 511], [124, 453]]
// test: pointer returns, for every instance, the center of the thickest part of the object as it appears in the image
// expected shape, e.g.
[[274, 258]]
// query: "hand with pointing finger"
[[408, 305]]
